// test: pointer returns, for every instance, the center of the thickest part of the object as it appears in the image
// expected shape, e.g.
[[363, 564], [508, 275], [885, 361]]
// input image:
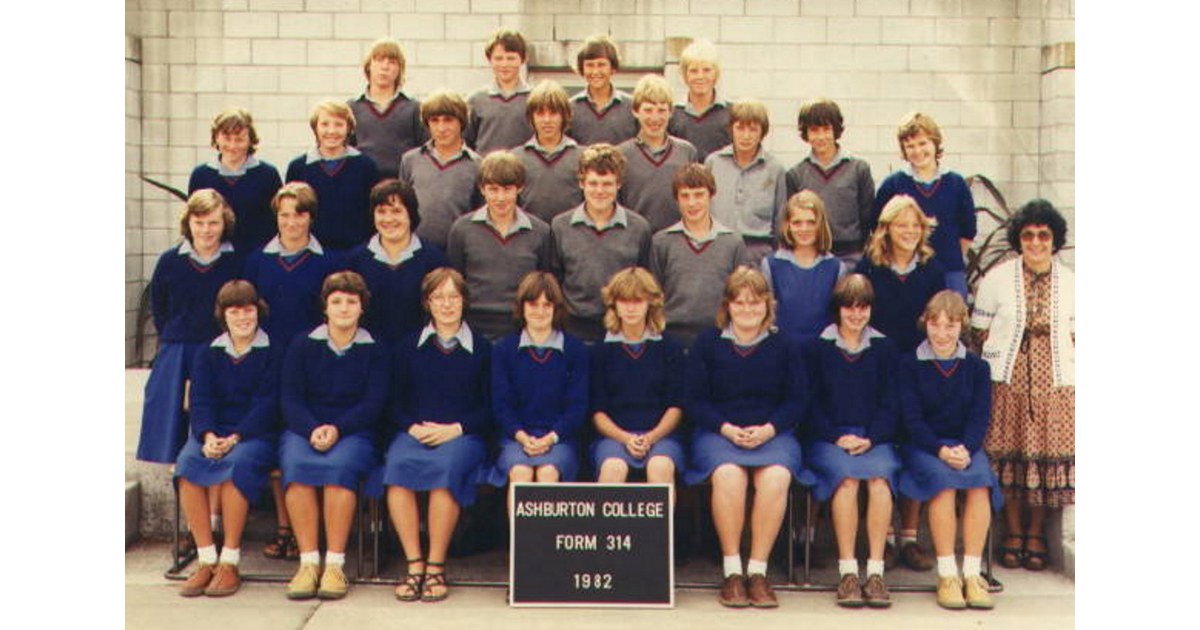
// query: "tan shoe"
[[333, 583], [977, 593], [226, 581], [733, 592], [304, 583], [849, 592], [195, 585], [950, 593], [761, 595], [875, 592]]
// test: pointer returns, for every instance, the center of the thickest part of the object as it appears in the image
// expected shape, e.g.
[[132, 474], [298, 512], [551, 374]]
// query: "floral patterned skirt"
[[1031, 441]]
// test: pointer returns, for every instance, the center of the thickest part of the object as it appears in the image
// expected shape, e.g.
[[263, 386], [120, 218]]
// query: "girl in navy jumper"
[[746, 393], [183, 290], [901, 267], [235, 430], [341, 175], [441, 414], [803, 271], [853, 422], [245, 181], [637, 384], [335, 383], [946, 398], [539, 388], [395, 261]]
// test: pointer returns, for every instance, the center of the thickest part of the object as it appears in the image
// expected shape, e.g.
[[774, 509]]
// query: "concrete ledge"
[[133, 501]]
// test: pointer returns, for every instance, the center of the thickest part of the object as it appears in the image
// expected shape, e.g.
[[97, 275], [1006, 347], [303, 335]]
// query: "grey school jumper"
[[445, 190], [647, 186], [693, 274], [493, 264], [614, 125], [387, 134], [551, 179], [585, 259], [497, 121], [708, 131], [848, 191]]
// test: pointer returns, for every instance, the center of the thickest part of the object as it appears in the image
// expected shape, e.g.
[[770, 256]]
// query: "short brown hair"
[[202, 202], [445, 103], [501, 168], [597, 47], [548, 94], [946, 301], [305, 196], [693, 176], [602, 158], [345, 282], [746, 278], [333, 108], [750, 110], [391, 188], [233, 120], [634, 283], [851, 290], [917, 123], [806, 200], [512, 41], [437, 278], [387, 48], [534, 285], [238, 293], [879, 246], [819, 112]]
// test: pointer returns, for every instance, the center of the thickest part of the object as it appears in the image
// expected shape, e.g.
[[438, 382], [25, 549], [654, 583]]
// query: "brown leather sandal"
[[434, 581], [414, 582]]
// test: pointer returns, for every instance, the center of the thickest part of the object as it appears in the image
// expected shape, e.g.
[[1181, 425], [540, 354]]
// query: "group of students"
[[582, 256]]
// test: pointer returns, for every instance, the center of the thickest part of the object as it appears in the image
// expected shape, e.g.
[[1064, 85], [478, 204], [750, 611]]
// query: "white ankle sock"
[[971, 565], [332, 558], [848, 566], [756, 566], [310, 557], [907, 536], [891, 538], [231, 556], [875, 567], [207, 555], [947, 567], [732, 564]]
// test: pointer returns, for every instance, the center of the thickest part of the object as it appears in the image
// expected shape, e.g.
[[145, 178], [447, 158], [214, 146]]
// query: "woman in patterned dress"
[[1025, 316]]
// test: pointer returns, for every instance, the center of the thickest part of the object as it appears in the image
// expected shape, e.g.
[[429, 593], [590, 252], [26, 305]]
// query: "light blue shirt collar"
[[321, 333], [619, 217], [520, 221], [728, 152], [831, 334], [717, 230], [619, 337], [186, 249], [554, 341], [790, 256], [260, 340], [494, 89], [276, 247], [937, 174], [909, 268], [224, 171], [375, 246], [566, 143], [686, 105], [617, 97], [925, 352], [366, 96], [314, 155], [839, 156], [728, 334], [464, 336]]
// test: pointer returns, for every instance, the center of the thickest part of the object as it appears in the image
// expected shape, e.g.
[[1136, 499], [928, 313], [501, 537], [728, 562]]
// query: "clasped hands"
[[218, 447], [324, 437], [748, 437], [853, 444], [536, 447], [955, 457], [433, 433]]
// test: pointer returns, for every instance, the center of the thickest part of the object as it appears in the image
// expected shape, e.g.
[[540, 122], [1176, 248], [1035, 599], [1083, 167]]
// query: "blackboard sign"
[[587, 544]]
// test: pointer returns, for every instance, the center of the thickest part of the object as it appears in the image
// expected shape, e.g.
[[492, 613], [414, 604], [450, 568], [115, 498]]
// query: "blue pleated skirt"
[[710, 450], [562, 456], [607, 448], [164, 424], [830, 464], [345, 465], [248, 465], [455, 465], [924, 476]]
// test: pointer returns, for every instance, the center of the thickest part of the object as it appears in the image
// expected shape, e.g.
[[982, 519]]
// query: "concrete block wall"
[[976, 65]]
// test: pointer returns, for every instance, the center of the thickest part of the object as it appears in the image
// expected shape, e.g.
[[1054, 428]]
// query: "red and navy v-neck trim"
[[827, 175], [944, 371], [692, 245], [337, 168], [540, 355], [666, 154], [291, 266], [634, 353]]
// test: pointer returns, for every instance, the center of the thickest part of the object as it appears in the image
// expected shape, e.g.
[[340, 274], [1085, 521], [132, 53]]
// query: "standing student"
[[497, 245], [602, 113], [243, 180], [692, 257], [341, 175], [803, 271], [443, 171], [653, 156], [389, 120], [183, 289], [498, 120], [551, 158], [942, 195], [750, 181], [702, 119], [595, 240], [842, 181]]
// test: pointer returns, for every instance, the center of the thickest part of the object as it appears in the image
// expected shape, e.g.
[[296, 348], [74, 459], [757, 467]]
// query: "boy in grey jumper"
[[692, 258], [496, 245], [702, 118], [389, 121], [602, 112], [443, 170], [595, 240], [653, 156], [551, 159], [498, 120]]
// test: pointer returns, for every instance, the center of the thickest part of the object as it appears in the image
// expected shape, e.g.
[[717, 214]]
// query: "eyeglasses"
[[445, 298], [1029, 236]]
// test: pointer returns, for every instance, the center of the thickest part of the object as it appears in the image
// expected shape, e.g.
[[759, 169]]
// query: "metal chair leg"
[[807, 538], [791, 537]]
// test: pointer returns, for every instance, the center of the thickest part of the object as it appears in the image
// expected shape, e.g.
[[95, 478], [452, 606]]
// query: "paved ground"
[[1029, 601]]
